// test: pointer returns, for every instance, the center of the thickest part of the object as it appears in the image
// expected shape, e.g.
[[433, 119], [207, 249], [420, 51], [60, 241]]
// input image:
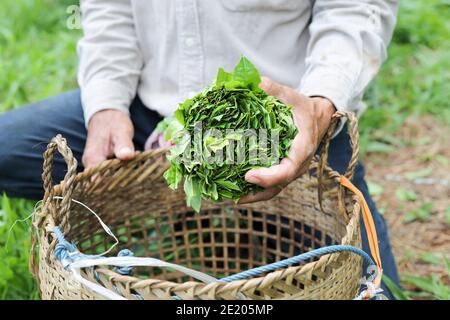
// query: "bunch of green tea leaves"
[[213, 166]]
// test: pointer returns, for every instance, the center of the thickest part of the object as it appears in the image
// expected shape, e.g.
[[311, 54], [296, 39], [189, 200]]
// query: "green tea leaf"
[[181, 146], [162, 125], [193, 193], [223, 77], [173, 176], [215, 144], [173, 128], [228, 184], [178, 114], [246, 73]]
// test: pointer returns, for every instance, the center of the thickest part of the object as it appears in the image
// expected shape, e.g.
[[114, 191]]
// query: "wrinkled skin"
[[110, 133], [312, 115]]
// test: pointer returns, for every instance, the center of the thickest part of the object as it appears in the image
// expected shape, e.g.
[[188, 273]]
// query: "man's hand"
[[110, 133], [312, 116]]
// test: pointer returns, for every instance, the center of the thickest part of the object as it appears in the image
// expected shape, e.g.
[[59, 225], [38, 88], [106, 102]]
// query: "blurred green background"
[[38, 59]]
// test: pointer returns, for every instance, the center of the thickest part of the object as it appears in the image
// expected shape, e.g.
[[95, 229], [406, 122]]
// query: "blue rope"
[[125, 271], [298, 259], [68, 253], [65, 251]]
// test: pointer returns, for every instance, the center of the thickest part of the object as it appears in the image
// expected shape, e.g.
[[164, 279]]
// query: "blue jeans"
[[25, 133]]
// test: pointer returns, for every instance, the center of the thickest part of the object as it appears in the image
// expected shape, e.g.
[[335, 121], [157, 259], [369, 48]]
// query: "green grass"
[[432, 286], [415, 80], [37, 51], [15, 280], [37, 60]]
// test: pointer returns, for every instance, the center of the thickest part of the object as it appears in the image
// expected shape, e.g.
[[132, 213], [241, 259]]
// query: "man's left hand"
[[312, 116]]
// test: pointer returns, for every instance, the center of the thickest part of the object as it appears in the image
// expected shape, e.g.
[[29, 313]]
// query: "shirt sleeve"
[[348, 43], [110, 61]]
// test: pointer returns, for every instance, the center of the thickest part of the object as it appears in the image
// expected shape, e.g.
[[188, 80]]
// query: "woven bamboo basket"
[[150, 219]]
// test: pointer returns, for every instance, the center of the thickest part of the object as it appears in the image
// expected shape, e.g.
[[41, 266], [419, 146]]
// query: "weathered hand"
[[110, 133], [312, 116]]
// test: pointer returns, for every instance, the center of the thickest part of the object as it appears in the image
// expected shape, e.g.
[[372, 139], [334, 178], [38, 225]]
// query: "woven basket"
[[133, 199]]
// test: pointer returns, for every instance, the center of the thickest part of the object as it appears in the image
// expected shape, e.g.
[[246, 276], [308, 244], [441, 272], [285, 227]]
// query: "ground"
[[404, 133], [412, 188]]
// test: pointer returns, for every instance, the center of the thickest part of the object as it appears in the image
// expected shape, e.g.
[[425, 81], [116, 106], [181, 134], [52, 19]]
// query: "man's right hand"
[[110, 133]]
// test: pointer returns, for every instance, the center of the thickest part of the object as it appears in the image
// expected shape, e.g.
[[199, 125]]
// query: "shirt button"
[[189, 42]]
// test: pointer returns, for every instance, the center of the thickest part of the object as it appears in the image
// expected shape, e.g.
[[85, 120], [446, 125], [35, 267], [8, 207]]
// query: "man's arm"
[[110, 64], [347, 46]]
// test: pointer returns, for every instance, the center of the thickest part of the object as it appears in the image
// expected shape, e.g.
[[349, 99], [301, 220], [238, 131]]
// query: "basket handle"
[[59, 143], [354, 141], [67, 185], [322, 160]]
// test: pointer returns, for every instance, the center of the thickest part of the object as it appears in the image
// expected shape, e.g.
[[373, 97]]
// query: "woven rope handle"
[[352, 123], [42, 213], [58, 143]]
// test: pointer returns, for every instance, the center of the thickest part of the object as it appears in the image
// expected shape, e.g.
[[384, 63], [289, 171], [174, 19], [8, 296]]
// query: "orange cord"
[[370, 227]]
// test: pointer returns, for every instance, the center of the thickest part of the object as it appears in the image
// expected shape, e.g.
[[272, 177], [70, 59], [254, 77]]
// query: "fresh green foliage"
[[398, 293], [37, 51], [415, 78], [431, 258], [403, 194], [214, 165], [422, 173], [37, 60], [432, 285], [15, 280], [375, 189], [447, 215], [441, 160], [421, 213]]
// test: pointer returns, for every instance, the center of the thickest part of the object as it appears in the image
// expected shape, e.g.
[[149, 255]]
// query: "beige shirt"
[[168, 50]]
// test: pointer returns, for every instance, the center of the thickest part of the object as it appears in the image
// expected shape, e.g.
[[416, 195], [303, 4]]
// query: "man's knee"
[[24, 135], [20, 155]]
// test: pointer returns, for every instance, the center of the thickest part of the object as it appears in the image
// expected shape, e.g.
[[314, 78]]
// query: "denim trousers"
[[26, 131]]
